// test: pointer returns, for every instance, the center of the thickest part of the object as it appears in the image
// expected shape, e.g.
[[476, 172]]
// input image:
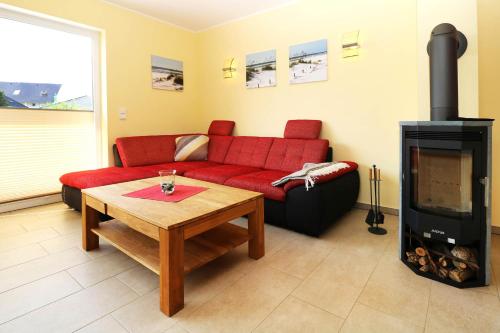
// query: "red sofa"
[[240, 161]]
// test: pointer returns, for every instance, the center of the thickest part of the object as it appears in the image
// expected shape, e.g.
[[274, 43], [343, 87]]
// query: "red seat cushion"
[[219, 174], [105, 176], [221, 127], [291, 154], [260, 182], [302, 129], [218, 147], [323, 179], [248, 151], [146, 150]]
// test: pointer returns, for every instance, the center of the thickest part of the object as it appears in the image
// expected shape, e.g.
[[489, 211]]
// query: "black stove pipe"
[[446, 45]]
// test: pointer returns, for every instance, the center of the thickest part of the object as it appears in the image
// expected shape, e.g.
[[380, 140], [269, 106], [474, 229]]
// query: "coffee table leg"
[[256, 231], [171, 270], [90, 219]]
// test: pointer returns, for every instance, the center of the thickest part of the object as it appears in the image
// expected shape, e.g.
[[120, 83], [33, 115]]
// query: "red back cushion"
[[291, 154], [221, 127], [146, 150], [248, 151], [302, 129], [218, 147]]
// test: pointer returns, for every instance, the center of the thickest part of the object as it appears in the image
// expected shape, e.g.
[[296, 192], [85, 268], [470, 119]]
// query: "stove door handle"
[[486, 183]]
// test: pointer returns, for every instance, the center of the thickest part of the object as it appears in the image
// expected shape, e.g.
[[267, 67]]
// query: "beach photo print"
[[308, 62], [261, 69], [167, 74]]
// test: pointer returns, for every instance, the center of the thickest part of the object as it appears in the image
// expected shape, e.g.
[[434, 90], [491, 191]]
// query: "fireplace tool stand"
[[375, 216]]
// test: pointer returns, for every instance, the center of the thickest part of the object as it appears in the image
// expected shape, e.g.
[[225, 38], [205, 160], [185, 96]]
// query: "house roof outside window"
[[30, 93]]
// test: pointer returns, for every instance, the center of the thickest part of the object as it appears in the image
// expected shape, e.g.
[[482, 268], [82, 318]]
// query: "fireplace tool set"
[[375, 216]]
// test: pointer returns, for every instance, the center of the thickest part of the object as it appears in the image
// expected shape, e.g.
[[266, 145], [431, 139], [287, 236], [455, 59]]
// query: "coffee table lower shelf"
[[198, 250]]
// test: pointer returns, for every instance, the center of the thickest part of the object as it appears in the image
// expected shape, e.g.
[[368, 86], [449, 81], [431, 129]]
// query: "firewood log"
[[464, 253], [444, 262], [423, 261], [412, 257], [420, 251], [460, 275], [443, 272], [425, 268]]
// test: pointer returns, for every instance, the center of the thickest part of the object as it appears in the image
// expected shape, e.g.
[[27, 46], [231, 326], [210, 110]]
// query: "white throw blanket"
[[311, 171]]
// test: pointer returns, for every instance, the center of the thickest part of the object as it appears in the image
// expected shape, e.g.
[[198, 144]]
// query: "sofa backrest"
[[218, 147], [291, 154], [146, 150], [248, 151], [221, 127]]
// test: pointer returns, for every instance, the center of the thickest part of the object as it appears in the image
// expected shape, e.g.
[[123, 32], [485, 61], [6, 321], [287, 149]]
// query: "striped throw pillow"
[[191, 148]]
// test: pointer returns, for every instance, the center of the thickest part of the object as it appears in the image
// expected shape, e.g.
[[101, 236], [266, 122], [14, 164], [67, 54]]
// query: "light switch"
[[122, 112]]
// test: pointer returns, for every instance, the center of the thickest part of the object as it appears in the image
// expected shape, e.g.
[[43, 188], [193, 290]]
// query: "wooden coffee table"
[[172, 239]]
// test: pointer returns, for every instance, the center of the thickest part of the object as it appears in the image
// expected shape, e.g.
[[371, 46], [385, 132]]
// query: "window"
[[49, 104], [44, 68]]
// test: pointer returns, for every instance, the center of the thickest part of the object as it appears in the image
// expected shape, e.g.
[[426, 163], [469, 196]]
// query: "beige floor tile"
[[103, 250], [176, 329], [65, 222], [364, 319], [294, 315], [75, 311], [33, 270], [144, 315], [205, 283], [140, 279], [27, 238], [242, 306], [462, 310], [300, 257], [8, 228], [62, 243], [21, 255], [337, 282], [97, 270], [396, 290], [39, 293], [104, 325]]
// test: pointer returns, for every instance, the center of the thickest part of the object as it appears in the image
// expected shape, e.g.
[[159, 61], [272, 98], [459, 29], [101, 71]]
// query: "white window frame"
[[24, 16]]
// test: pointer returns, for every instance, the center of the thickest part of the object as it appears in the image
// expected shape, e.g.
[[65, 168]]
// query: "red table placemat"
[[154, 193]]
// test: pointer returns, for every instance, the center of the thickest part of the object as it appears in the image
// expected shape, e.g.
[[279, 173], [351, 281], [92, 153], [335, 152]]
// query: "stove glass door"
[[441, 181]]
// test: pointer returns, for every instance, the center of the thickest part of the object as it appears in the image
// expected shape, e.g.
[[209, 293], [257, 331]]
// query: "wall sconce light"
[[229, 68], [350, 44]]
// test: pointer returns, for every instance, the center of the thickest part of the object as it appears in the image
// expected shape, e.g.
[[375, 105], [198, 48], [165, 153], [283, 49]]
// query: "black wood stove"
[[445, 218]]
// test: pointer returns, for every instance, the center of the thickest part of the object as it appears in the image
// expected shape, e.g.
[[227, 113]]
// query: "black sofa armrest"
[[312, 212]]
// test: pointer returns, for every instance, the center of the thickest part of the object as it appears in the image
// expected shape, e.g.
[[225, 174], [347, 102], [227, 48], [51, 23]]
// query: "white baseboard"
[[385, 210], [28, 203]]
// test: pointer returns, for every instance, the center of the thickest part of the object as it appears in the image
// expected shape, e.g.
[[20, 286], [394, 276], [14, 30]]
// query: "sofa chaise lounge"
[[246, 162]]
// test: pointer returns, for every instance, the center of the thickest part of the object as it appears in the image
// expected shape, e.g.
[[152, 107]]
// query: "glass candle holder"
[[167, 181]]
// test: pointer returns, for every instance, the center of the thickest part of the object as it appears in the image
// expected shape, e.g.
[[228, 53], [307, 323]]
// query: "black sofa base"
[[307, 212]]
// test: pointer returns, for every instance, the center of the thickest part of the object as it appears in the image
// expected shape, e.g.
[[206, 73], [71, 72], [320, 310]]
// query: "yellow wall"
[[130, 40], [360, 104], [489, 85]]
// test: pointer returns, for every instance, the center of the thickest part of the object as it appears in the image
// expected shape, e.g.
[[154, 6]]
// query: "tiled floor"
[[348, 280]]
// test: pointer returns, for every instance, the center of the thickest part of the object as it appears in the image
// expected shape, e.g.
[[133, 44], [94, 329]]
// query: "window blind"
[[37, 147]]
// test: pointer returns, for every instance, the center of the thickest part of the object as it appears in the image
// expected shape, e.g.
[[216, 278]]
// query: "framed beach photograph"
[[261, 69], [167, 74], [308, 62]]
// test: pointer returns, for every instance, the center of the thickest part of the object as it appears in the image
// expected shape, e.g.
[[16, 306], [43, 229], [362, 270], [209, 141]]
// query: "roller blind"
[[37, 147]]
